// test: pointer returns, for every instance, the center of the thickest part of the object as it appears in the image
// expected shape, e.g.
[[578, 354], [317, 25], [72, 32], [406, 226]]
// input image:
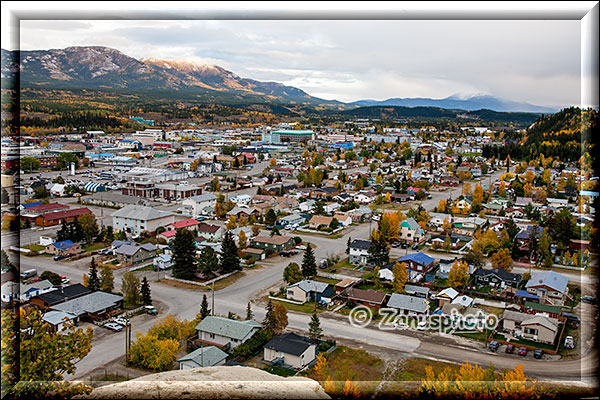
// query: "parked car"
[[422, 325], [538, 353], [113, 326], [64, 280], [401, 325], [510, 349], [569, 342], [121, 321], [58, 257], [572, 318], [395, 244], [301, 247], [493, 346], [523, 351], [588, 299], [151, 310]]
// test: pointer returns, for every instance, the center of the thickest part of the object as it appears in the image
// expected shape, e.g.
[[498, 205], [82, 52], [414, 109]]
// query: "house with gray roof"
[[225, 332], [92, 307], [134, 219], [550, 287], [539, 327], [58, 319], [198, 204], [409, 305], [209, 356], [135, 253], [29, 291], [308, 290]]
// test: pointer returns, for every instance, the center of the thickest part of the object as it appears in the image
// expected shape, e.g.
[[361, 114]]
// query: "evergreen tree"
[[208, 262], [230, 259], [63, 233], [314, 328], [249, 314], [309, 264], [348, 245], [270, 321], [6, 264], [378, 253], [204, 310], [94, 280], [184, 255], [145, 290]]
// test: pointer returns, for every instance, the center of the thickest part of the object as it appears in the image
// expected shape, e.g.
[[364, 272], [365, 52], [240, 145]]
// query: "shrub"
[[252, 345], [297, 240]]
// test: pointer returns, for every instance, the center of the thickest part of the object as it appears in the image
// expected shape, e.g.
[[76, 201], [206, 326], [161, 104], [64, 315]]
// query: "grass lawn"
[[492, 310], [326, 280], [413, 369], [94, 246], [344, 363], [343, 264], [223, 283]]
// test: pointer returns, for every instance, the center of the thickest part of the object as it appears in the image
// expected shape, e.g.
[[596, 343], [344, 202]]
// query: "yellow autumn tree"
[[272, 162], [466, 189], [389, 225], [478, 194], [446, 225], [502, 259], [400, 277], [242, 240], [459, 274], [231, 223]]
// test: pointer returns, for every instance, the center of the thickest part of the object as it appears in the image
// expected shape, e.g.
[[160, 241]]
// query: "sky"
[[537, 62]]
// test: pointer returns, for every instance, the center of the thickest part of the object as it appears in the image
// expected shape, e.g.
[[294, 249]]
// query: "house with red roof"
[[57, 218], [190, 224]]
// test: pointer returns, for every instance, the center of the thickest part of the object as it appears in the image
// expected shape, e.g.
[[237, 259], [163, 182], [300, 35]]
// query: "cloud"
[[532, 61]]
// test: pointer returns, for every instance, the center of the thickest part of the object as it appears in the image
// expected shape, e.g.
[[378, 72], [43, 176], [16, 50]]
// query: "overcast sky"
[[531, 61]]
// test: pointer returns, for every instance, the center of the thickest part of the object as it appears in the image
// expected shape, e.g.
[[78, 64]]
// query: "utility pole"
[[212, 310]]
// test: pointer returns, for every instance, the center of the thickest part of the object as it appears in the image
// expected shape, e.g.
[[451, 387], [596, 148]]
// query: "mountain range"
[[459, 102], [103, 68]]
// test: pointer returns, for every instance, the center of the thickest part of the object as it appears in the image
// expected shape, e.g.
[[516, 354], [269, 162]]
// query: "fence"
[[203, 284]]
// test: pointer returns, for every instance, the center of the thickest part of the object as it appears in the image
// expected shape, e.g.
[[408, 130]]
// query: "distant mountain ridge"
[[104, 68], [97, 67], [457, 102]]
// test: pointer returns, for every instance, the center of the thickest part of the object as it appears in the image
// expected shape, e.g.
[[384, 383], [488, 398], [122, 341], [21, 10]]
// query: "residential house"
[[319, 221], [463, 301], [273, 244], [209, 356], [64, 248], [359, 251], [291, 350], [291, 220], [243, 212], [496, 277], [135, 219], [57, 218], [550, 287], [539, 328], [371, 298], [445, 265], [225, 332], [309, 290], [411, 231], [343, 218], [344, 284], [446, 296], [189, 224], [537, 308], [213, 233], [419, 291], [95, 306], [417, 263], [408, 305], [201, 205], [306, 206], [162, 262], [10, 291], [28, 291], [135, 254], [58, 319], [60, 295]]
